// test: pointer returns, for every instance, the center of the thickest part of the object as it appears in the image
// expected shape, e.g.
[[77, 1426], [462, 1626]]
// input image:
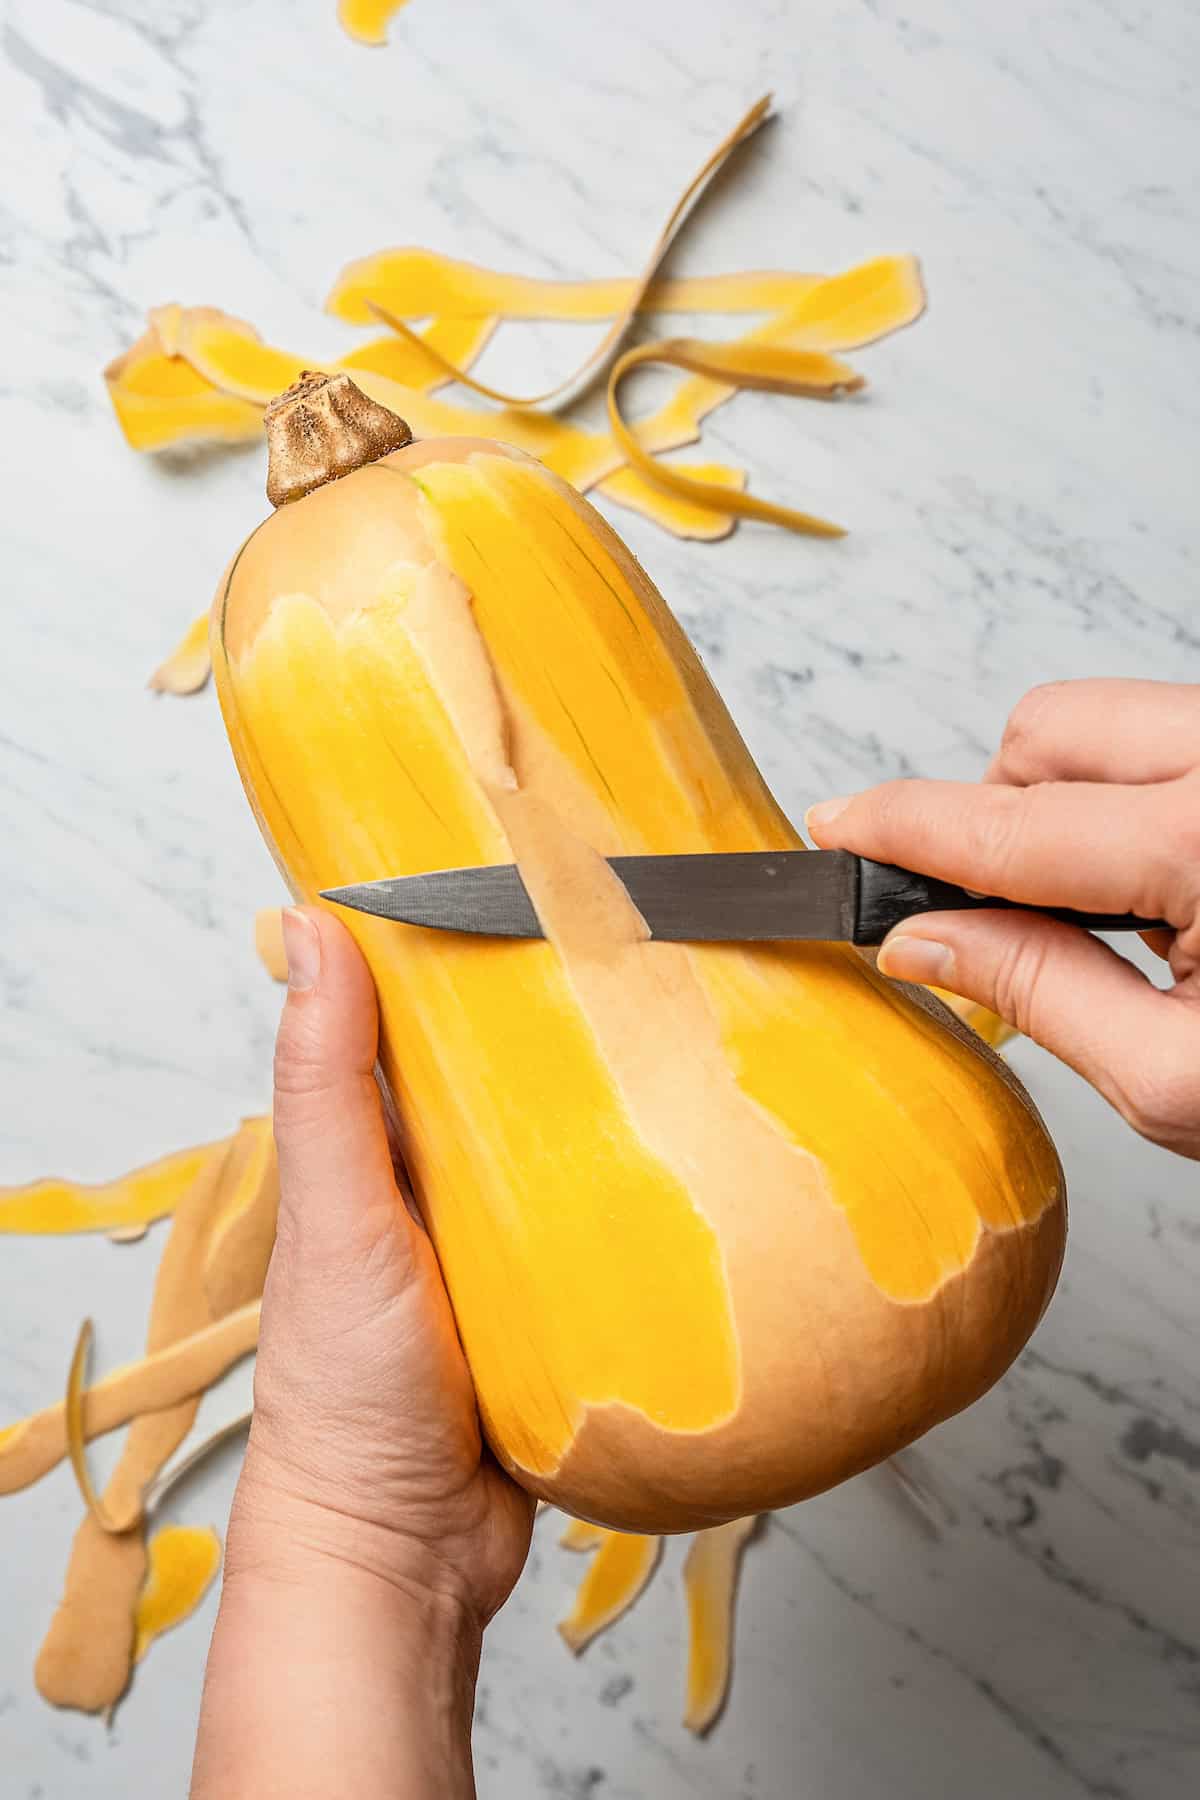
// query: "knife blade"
[[774, 896]]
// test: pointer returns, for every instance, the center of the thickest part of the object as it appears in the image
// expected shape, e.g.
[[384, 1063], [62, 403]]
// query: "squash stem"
[[321, 428]]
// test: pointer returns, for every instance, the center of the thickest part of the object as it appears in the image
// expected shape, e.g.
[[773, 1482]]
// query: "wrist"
[[415, 1650], [342, 1661], [281, 1538]]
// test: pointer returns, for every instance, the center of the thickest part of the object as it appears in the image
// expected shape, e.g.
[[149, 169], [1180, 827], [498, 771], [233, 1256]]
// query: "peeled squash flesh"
[[722, 1225]]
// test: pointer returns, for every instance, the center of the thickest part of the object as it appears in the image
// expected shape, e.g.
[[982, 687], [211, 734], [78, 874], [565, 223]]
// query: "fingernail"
[[818, 817], [917, 959], [302, 947]]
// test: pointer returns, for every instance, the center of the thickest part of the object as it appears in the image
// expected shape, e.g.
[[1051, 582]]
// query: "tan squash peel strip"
[[73, 1408], [621, 1567], [580, 1534], [756, 366], [710, 1575], [416, 284], [241, 1234], [576, 383], [35, 1445], [157, 1490]]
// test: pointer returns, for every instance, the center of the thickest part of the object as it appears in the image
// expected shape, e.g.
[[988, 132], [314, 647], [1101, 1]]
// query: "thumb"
[[338, 1195], [1067, 991]]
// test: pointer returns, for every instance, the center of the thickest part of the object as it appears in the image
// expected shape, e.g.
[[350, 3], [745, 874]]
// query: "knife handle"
[[887, 896]]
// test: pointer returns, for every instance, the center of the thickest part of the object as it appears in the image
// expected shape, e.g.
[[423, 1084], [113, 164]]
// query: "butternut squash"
[[722, 1225]]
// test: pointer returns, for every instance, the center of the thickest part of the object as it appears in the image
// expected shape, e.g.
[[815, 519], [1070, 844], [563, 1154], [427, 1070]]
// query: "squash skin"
[[684, 1297]]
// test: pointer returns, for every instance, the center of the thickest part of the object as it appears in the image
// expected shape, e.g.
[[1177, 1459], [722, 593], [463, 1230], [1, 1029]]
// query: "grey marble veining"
[[1020, 479]]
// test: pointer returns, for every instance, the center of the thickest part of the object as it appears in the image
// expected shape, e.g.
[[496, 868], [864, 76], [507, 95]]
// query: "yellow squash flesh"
[[721, 1225]]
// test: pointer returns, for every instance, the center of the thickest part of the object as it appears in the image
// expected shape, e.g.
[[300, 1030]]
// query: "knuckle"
[[1026, 724], [892, 806], [1181, 826], [993, 834], [1161, 1100], [1019, 981], [1170, 864], [1183, 954]]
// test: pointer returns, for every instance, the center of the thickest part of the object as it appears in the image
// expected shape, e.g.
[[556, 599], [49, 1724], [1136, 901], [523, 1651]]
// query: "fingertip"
[[301, 949], [335, 1164], [819, 820], [905, 956], [341, 957], [331, 1016]]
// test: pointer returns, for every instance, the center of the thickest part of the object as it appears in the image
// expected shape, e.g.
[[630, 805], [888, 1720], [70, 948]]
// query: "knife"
[[743, 897]]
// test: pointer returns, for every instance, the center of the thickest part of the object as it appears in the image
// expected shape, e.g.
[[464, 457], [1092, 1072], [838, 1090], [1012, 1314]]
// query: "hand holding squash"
[[364, 1409], [372, 1536], [1091, 802]]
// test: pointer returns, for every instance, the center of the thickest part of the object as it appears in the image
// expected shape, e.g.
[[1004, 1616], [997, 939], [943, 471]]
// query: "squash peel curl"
[[33, 1446], [710, 1576], [620, 1569], [182, 1561], [189, 666], [53, 1207], [603, 352], [76, 1451], [162, 403]]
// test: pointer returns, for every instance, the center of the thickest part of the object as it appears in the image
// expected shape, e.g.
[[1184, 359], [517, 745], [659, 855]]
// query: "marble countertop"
[[1021, 484]]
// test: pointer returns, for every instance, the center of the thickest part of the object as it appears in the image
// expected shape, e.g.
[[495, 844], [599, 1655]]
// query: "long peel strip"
[[576, 382]]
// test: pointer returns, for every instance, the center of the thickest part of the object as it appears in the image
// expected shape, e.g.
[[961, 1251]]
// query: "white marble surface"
[[1021, 483]]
